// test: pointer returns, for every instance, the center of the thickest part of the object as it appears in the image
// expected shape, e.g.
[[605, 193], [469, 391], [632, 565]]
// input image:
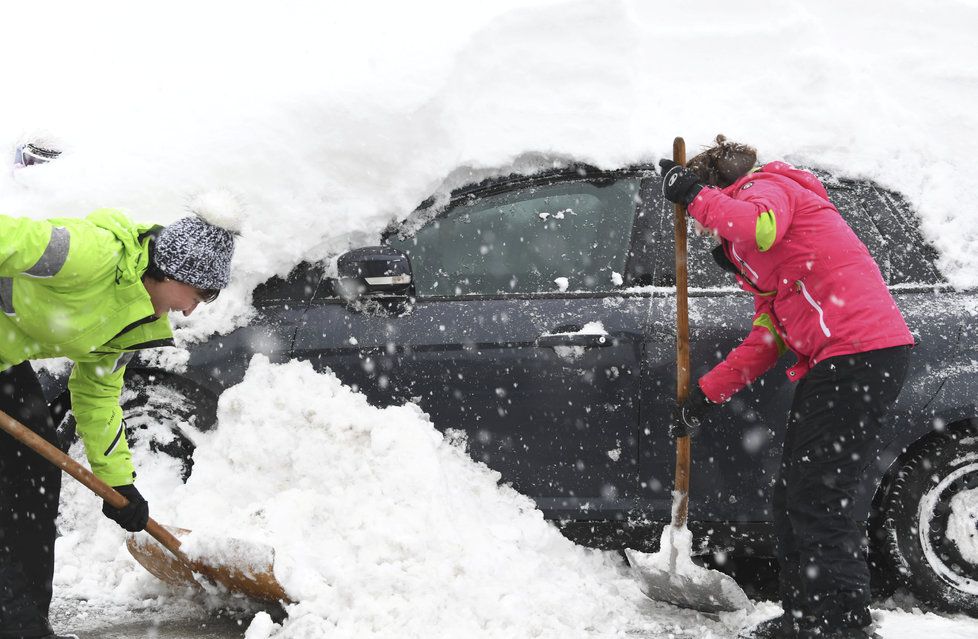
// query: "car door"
[[737, 453], [519, 337]]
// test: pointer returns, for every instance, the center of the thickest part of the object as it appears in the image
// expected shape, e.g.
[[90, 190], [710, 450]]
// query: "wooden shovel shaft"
[[683, 458], [54, 455]]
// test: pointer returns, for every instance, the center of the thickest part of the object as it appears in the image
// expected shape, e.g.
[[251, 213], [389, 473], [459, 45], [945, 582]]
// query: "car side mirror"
[[374, 271]]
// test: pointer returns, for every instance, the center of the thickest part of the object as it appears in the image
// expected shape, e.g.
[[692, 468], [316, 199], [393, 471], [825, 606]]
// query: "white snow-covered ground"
[[330, 119]]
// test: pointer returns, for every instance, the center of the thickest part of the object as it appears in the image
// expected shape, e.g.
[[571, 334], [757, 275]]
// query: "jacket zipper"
[[746, 265], [821, 313], [118, 436]]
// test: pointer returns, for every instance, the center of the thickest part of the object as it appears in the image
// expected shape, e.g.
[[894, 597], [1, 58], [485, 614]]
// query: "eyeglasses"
[[208, 295], [29, 155]]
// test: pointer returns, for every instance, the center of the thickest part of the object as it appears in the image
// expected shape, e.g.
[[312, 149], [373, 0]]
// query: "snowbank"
[[381, 526]]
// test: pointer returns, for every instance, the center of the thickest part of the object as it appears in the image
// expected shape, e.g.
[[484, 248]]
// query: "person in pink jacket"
[[818, 293]]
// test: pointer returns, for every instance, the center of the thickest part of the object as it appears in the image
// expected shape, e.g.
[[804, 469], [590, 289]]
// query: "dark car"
[[537, 315]]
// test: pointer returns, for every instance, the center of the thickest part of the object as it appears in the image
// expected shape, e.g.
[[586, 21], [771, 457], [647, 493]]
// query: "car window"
[[567, 236], [882, 220], [889, 228], [702, 270]]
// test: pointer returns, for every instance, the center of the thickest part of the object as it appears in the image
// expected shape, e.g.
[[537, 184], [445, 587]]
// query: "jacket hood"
[[132, 236], [803, 178]]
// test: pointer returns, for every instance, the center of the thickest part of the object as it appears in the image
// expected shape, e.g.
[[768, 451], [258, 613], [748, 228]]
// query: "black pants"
[[30, 488], [835, 419]]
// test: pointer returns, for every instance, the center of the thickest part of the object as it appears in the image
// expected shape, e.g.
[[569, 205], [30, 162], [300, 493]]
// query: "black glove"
[[679, 184], [133, 516], [686, 419]]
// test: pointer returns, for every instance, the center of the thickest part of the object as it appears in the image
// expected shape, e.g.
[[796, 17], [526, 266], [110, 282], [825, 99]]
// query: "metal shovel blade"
[[694, 587], [240, 566]]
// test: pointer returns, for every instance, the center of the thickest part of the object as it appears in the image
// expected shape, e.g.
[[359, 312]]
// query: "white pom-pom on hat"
[[220, 207]]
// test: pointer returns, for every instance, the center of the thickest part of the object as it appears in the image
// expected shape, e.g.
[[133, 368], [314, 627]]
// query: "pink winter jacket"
[[817, 290]]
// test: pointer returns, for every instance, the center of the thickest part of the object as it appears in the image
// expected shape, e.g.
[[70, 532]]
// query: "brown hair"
[[724, 163]]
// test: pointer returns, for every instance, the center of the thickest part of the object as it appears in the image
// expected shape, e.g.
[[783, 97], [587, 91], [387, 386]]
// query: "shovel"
[[670, 575], [243, 567]]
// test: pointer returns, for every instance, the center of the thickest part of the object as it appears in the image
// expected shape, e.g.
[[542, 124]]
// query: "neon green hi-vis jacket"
[[72, 287]]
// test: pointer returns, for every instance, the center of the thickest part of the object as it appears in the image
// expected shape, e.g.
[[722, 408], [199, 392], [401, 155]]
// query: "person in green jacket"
[[95, 290]]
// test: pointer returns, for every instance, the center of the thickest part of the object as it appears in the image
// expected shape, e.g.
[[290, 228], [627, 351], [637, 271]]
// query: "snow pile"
[[916, 624], [383, 528]]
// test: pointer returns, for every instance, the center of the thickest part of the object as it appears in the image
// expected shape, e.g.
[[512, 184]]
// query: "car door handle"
[[587, 340]]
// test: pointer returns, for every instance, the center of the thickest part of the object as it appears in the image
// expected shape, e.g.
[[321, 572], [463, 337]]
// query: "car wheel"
[[163, 414], [927, 531]]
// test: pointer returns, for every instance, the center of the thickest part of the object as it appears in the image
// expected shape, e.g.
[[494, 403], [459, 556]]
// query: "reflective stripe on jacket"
[[73, 288], [816, 288]]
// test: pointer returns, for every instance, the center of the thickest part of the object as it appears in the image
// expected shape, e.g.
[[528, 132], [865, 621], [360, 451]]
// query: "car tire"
[[162, 413], [925, 538]]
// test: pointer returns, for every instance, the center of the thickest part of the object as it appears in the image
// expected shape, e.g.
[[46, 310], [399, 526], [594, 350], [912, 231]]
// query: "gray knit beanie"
[[197, 249]]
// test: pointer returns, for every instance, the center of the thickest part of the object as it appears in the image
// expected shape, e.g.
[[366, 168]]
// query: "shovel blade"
[[159, 561], [239, 566], [696, 588]]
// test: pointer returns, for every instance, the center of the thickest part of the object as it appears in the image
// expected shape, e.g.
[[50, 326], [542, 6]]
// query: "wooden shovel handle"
[[54, 455], [683, 458]]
